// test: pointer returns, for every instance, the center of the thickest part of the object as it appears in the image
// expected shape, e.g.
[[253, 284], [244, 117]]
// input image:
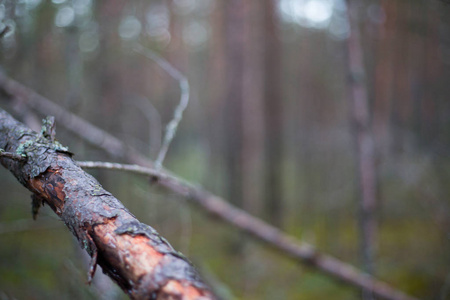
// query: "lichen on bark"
[[133, 254]]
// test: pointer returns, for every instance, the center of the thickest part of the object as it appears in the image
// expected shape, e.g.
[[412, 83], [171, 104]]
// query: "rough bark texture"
[[133, 254]]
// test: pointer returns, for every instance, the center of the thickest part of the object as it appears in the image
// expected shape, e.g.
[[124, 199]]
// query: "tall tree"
[[234, 45], [252, 106], [273, 114], [365, 147]]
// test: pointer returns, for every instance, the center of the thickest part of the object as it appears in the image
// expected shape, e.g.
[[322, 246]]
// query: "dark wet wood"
[[133, 254]]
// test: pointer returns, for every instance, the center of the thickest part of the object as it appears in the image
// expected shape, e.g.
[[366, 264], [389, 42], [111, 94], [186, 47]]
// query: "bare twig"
[[171, 128], [122, 167], [272, 236]]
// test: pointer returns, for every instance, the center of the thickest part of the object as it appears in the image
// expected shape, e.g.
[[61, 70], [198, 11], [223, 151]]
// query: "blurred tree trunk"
[[74, 65], [215, 94], [111, 87], [407, 76], [400, 96], [435, 81], [273, 115], [252, 130], [253, 110], [365, 146], [384, 76], [307, 122], [235, 46]]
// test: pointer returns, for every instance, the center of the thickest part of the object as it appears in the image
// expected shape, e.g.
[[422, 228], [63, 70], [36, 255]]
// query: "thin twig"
[[171, 128], [122, 167]]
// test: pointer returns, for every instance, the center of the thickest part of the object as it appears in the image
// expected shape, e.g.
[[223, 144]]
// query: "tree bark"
[[133, 254]]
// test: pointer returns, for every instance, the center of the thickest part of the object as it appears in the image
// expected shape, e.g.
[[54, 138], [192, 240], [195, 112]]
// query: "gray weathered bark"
[[133, 254]]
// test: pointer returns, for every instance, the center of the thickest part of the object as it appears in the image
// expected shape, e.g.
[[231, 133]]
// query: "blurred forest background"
[[268, 126]]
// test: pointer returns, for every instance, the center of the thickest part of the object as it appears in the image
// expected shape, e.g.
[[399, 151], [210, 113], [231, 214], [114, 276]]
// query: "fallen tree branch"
[[253, 226], [133, 254]]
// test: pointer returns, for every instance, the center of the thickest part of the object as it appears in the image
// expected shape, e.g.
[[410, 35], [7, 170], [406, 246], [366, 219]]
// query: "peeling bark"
[[133, 254]]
